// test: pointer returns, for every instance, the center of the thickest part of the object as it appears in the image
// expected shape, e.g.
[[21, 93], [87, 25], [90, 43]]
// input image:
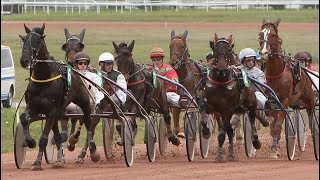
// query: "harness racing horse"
[[190, 75], [139, 84], [226, 95], [292, 87], [45, 94], [72, 46]]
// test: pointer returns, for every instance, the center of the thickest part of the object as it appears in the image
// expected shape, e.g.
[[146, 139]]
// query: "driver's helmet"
[[209, 55], [310, 57], [80, 56], [157, 52], [246, 52], [106, 57]]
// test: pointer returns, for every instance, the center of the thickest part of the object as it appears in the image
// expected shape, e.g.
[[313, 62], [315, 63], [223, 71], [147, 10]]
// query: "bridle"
[[222, 51], [184, 55], [32, 50]]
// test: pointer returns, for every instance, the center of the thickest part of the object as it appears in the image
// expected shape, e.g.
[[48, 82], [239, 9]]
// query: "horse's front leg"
[[94, 154], [275, 132], [175, 116], [230, 134], [58, 140], [24, 119], [173, 138], [255, 140], [43, 143], [221, 138]]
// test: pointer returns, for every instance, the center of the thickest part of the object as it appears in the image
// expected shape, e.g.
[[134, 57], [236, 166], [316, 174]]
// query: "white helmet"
[[106, 57], [246, 52]]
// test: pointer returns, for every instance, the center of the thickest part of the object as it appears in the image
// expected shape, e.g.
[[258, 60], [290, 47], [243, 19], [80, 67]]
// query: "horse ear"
[[67, 34], [230, 40], [80, 46], [81, 35], [277, 22], [63, 47], [264, 21], [216, 38], [131, 45], [26, 29], [173, 34], [115, 46], [42, 28], [22, 37], [184, 35], [211, 44], [43, 36]]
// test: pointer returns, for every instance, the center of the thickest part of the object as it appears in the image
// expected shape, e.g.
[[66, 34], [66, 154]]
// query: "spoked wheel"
[[301, 130], [247, 129], [205, 144], [190, 133], [315, 133], [150, 138], [19, 146], [291, 135], [49, 152], [107, 135], [162, 136], [128, 142]]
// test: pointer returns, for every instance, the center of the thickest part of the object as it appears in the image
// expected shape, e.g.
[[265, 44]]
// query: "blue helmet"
[[258, 56]]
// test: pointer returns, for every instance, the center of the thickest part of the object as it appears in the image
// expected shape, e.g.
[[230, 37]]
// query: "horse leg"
[[81, 156], [74, 138], [94, 154], [230, 134], [204, 121], [24, 119], [43, 143], [221, 138], [173, 138], [255, 141], [275, 131], [58, 140], [236, 125], [64, 130], [176, 125]]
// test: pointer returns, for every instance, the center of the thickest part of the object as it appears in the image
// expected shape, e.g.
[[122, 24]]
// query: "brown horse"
[[291, 85], [139, 84], [190, 75], [226, 95]]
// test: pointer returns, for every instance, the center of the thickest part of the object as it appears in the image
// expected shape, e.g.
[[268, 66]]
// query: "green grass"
[[98, 40], [170, 15]]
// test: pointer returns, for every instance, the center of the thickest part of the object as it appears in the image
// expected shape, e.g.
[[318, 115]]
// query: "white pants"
[[314, 79], [261, 99], [173, 98]]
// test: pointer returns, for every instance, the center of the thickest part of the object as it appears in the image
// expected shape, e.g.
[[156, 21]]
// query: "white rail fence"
[[74, 6]]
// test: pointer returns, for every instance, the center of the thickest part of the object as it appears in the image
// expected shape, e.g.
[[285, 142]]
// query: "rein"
[[131, 75]]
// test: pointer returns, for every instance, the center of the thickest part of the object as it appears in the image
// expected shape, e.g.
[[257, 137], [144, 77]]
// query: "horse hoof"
[[71, 147], [205, 130], [59, 164], [256, 144], [79, 160], [73, 140], [36, 166], [95, 157], [31, 143], [231, 158], [119, 142], [174, 140], [218, 159]]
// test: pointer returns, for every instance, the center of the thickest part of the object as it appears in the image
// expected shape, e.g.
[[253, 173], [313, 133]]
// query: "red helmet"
[[156, 52]]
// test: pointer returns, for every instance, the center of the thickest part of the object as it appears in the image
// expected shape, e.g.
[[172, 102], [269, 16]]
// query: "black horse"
[[45, 94], [139, 84], [226, 94]]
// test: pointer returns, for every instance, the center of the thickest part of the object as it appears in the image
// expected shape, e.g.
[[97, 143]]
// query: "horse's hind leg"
[[58, 140], [221, 138], [64, 130], [74, 137], [230, 134], [275, 131], [43, 143], [24, 119], [175, 116]]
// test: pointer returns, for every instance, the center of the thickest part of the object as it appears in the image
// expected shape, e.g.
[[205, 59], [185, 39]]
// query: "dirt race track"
[[175, 164]]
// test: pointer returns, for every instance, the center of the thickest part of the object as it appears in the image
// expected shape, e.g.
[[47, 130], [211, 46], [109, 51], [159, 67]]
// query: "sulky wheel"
[[107, 135], [315, 132], [19, 146], [49, 152], [162, 136], [127, 141], [150, 138], [205, 144], [291, 135], [190, 122], [247, 130], [301, 130]]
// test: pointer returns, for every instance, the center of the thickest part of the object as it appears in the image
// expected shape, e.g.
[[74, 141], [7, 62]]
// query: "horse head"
[[222, 56], [179, 52], [33, 46], [270, 42], [124, 57], [73, 44]]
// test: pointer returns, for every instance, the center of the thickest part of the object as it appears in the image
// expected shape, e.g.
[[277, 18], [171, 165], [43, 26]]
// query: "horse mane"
[[123, 45]]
